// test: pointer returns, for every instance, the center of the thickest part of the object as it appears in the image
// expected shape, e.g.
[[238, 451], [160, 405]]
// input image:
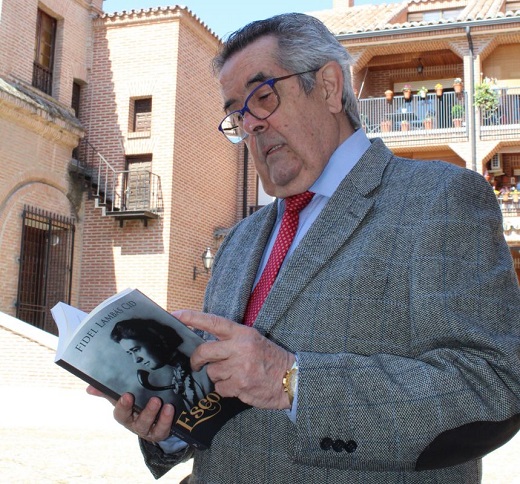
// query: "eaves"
[[420, 29]]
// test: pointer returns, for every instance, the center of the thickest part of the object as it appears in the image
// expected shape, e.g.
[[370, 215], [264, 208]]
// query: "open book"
[[130, 344]]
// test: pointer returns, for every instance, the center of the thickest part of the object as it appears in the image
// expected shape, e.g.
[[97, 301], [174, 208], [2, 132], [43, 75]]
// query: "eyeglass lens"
[[261, 103]]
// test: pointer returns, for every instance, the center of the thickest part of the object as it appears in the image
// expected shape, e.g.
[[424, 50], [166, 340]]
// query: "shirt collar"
[[344, 158]]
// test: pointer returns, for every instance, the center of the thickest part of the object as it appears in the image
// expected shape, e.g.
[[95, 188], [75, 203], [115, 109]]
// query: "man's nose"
[[253, 125]]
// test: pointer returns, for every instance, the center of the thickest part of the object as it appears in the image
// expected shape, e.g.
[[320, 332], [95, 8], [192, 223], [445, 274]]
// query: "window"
[[76, 98], [44, 52], [434, 15], [512, 6], [141, 115]]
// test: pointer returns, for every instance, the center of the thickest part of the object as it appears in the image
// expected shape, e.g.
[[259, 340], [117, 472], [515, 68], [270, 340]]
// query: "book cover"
[[130, 344]]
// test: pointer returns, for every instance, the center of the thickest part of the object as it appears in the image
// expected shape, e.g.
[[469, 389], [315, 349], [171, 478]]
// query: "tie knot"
[[296, 203]]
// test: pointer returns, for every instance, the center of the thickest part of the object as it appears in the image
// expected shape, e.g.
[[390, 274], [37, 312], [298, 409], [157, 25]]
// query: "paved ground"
[[65, 436]]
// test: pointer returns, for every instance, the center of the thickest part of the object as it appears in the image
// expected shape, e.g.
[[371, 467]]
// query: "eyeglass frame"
[[245, 108]]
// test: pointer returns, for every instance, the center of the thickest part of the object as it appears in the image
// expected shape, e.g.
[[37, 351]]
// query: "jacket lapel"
[[343, 213]]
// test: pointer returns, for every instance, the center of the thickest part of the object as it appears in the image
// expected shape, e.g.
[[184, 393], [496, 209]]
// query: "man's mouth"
[[273, 149]]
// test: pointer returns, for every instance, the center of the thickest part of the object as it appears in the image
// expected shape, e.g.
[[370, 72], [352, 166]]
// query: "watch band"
[[289, 381]]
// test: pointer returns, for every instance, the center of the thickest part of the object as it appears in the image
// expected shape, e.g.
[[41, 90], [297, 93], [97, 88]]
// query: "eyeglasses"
[[262, 101]]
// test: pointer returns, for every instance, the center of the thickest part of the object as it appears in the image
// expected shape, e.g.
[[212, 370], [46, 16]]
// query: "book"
[[128, 343]]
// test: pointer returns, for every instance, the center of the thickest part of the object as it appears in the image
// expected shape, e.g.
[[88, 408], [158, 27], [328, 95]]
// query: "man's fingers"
[[222, 328], [124, 410], [153, 423], [210, 352], [96, 393]]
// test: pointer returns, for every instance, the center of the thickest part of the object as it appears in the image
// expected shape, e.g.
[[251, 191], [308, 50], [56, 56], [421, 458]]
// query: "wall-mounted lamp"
[[420, 67], [207, 262]]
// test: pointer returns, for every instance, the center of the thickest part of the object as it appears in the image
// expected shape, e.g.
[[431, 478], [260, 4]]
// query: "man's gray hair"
[[304, 43]]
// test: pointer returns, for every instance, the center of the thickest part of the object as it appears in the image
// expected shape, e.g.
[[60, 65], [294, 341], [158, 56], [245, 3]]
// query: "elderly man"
[[387, 349]]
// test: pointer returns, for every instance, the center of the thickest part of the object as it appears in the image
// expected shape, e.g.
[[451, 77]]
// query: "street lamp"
[[207, 262]]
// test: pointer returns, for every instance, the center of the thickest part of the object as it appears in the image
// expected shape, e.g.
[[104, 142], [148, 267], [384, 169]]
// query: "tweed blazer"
[[403, 307]]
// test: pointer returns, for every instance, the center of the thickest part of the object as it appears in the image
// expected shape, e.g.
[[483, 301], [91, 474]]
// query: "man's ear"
[[331, 77]]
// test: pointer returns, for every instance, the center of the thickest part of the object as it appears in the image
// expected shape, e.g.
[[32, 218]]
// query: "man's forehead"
[[247, 64]]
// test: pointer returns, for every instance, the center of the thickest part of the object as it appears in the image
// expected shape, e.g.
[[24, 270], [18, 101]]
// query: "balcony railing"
[[418, 118], [509, 203], [121, 193], [42, 78], [504, 120]]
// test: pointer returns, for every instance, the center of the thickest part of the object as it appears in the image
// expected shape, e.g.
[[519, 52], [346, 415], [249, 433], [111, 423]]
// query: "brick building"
[[427, 43], [114, 174], [45, 54], [154, 114]]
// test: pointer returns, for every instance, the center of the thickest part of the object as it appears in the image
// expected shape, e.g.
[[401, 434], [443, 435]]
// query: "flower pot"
[[389, 95], [405, 126], [407, 94], [422, 94], [386, 126], [428, 123], [457, 88], [457, 122], [439, 92]]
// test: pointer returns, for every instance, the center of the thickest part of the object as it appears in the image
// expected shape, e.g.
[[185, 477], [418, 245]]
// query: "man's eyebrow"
[[259, 77]]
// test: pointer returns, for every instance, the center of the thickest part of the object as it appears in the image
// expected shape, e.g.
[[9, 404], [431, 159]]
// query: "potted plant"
[[438, 89], [405, 125], [386, 125], [407, 91], [457, 113], [486, 97], [423, 92], [428, 121], [389, 94], [457, 85]]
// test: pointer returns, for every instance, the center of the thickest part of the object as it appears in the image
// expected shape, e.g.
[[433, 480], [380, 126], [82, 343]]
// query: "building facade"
[[459, 61], [114, 174], [45, 54]]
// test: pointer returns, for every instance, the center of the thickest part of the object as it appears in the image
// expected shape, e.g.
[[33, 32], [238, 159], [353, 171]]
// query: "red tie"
[[293, 206]]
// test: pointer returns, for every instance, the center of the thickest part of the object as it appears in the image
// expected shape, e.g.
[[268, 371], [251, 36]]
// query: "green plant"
[[486, 97], [438, 86], [457, 111], [423, 90]]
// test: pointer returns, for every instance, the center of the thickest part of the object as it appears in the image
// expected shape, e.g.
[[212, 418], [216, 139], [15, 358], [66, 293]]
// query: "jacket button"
[[350, 446], [326, 443], [338, 445]]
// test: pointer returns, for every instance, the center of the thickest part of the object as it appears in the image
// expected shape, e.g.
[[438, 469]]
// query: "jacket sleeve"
[[159, 462], [433, 376]]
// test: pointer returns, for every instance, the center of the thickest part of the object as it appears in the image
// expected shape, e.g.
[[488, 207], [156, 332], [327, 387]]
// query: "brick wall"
[[35, 144], [197, 166]]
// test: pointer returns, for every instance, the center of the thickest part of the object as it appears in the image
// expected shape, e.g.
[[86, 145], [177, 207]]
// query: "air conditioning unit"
[[496, 164]]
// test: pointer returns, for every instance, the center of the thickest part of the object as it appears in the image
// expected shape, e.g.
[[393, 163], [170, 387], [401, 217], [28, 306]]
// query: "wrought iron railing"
[[42, 78], [418, 118], [117, 191], [45, 272]]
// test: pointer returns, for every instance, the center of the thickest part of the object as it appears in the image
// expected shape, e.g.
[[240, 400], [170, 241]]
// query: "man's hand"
[[242, 363], [153, 423]]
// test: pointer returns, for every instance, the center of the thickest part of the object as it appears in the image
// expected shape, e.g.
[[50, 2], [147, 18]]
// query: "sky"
[[225, 16]]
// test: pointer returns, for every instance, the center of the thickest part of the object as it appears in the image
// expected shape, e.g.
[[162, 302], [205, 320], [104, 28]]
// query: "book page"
[[68, 319]]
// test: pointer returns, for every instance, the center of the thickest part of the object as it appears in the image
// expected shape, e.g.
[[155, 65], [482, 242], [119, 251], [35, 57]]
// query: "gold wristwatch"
[[289, 381]]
